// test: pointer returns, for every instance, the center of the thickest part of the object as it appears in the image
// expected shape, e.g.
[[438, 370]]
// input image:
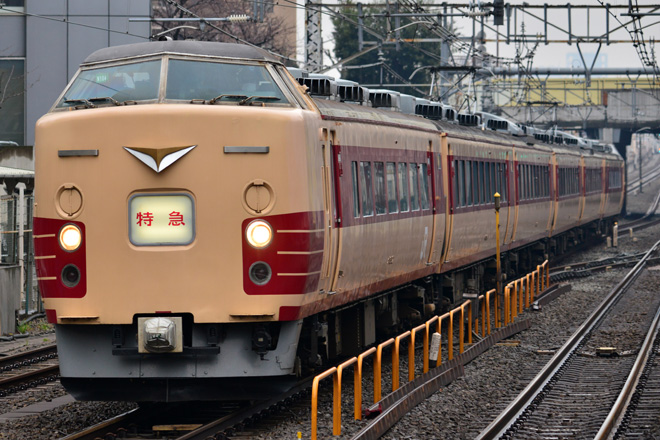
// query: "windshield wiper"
[[104, 98], [258, 98], [221, 97], [84, 102]]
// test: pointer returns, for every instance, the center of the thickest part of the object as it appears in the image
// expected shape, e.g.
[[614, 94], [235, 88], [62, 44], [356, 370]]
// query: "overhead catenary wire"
[[639, 44], [67, 21]]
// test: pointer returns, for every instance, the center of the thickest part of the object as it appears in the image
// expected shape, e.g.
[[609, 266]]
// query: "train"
[[210, 224]]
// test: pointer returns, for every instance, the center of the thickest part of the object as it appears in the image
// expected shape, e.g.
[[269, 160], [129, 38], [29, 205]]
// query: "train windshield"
[[221, 83], [114, 85]]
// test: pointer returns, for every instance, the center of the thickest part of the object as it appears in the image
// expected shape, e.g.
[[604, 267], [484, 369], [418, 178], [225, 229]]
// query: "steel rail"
[[597, 263], [228, 422], [109, 425], [618, 410], [576, 272], [643, 222], [45, 371], [649, 176], [499, 426], [26, 358]]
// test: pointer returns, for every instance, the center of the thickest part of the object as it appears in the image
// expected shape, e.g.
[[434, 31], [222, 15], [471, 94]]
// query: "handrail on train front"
[[518, 294]]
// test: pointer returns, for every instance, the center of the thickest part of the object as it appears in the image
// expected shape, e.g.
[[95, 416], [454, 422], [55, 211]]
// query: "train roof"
[[203, 48]]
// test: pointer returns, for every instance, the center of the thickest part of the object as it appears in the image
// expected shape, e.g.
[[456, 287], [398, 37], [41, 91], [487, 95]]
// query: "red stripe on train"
[[295, 255], [55, 259]]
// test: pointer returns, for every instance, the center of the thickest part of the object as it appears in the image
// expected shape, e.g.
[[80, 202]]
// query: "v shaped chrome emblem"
[[159, 158]]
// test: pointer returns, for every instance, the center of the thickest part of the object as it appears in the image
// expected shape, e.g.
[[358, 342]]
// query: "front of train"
[[176, 222]]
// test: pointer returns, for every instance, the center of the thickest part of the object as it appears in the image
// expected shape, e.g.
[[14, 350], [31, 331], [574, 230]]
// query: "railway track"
[[27, 370], [198, 422], [575, 391], [643, 222], [585, 269], [649, 176], [641, 418]]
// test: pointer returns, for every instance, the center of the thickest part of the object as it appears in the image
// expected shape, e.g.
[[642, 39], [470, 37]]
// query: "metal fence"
[[15, 238]]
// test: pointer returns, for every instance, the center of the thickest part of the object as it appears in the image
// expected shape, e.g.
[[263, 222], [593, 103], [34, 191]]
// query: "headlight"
[[259, 234], [70, 237]]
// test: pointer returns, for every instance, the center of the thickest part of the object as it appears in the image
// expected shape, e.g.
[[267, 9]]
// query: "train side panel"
[[471, 204], [614, 182], [385, 189], [567, 198], [532, 194]]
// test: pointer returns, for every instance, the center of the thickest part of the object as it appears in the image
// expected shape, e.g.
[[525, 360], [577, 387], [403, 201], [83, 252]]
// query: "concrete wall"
[[10, 281], [17, 157]]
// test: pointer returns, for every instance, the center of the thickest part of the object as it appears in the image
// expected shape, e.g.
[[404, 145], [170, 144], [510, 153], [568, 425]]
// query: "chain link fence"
[[10, 215]]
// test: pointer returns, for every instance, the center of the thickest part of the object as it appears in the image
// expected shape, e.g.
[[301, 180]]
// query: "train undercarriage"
[[348, 330]]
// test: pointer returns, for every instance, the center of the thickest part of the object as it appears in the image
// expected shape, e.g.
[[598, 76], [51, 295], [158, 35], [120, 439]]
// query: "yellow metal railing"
[[518, 295]]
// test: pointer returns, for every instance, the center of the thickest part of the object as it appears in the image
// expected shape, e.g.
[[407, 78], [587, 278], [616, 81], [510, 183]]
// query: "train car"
[[208, 226]]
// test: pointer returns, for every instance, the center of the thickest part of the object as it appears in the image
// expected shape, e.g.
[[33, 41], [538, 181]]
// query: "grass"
[[36, 326]]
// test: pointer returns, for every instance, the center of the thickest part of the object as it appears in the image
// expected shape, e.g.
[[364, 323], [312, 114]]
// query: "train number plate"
[[161, 219]]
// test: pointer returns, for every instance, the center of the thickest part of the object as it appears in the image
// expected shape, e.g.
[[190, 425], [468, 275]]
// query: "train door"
[[435, 176], [331, 212], [551, 202], [449, 180]]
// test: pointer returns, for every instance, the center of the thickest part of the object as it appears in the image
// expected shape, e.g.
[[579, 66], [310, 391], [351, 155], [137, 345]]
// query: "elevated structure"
[[621, 102]]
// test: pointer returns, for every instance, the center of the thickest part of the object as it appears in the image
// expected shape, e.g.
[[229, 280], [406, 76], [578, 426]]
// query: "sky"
[[584, 22]]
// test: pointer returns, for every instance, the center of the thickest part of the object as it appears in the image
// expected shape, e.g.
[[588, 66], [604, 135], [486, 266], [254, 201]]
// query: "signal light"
[[498, 12]]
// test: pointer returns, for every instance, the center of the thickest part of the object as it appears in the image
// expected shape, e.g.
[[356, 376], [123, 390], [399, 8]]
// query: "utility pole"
[[313, 42]]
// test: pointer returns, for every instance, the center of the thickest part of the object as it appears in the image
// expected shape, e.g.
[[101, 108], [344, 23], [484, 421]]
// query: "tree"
[[12, 107], [273, 33], [397, 65]]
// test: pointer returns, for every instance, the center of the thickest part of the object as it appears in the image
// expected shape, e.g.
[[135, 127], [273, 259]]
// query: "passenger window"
[[529, 185], [468, 181], [414, 187], [503, 181], [391, 188], [366, 190], [424, 179], [379, 168], [479, 178], [403, 187], [486, 173], [356, 198], [493, 185], [460, 184]]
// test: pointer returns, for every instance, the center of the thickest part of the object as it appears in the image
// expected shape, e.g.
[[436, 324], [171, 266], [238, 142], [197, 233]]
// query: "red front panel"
[[51, 259], [295, 255]]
